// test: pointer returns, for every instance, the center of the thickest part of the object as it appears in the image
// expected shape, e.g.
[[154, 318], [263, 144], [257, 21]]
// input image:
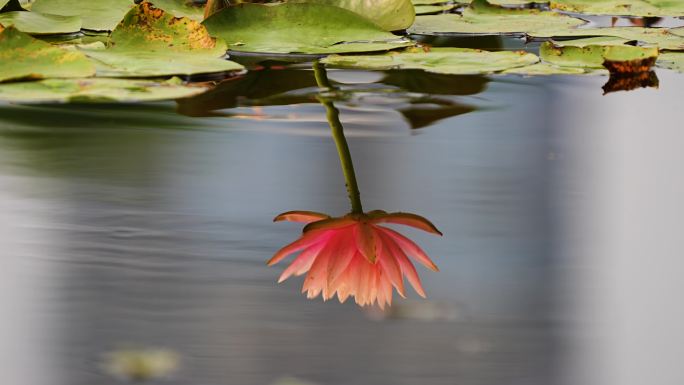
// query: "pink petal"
[[407, 219], [340, 261], [301, 216], [316, 279], [365, 275], [411, 248], [303, 242], [302, 263], [390, 265], [366, 241], [409, 271]]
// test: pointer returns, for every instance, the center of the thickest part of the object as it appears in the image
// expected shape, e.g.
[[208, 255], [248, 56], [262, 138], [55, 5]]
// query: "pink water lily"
[[354, 256]]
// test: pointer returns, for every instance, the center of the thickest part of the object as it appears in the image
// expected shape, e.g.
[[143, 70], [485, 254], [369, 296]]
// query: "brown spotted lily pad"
[[150, 42], [613, 54]]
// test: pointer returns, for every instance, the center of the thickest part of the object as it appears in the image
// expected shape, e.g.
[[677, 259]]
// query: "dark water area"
[[149, 226]]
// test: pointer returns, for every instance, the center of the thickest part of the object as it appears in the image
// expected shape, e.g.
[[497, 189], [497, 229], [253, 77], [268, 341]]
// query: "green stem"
[[333, 116]]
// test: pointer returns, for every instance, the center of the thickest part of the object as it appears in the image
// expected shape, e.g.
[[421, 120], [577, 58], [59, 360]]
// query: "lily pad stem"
[[333, 116]]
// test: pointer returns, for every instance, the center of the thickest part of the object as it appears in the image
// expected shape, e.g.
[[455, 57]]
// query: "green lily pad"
[[436, 8], [483, 18], [97, 15], [671, 60], [679, 31], [517, 2], [94, 90], [662, 37], [390, 15], [299, 28], [181, 8], [543, 69], [621, 7], [23, 57], [597, 53], [41, 24], [150, 42], [428, 2], [456, 61]]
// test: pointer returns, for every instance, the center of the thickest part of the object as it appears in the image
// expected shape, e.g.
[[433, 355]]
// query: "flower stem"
[[333, 116]]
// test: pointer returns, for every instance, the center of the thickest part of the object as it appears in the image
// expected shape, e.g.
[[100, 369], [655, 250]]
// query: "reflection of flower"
[[141, 364], [354, 256]]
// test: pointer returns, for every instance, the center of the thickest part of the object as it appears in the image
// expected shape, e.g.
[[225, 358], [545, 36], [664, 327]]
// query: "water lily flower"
[[354, 256]]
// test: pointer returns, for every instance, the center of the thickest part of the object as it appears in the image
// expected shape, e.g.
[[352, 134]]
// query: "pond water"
[[149, 226]]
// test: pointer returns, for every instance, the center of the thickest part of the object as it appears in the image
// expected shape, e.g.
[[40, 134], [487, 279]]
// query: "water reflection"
[[422, 98], [153, 233], [630, 82]]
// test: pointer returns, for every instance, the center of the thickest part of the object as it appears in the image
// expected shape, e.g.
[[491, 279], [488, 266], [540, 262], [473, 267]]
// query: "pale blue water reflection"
[[138, 225]]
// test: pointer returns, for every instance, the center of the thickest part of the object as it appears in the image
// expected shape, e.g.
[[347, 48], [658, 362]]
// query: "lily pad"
[[621, 7], [517, 2], [390, 15], [543, 69], [436, 8], [456, 61], [299, 28], [41, 24], [484, 18], [95, 90], [662, 37], [599, 53], [97, 15], [671, 60], [181, 8], [150, 42], [23, 57]]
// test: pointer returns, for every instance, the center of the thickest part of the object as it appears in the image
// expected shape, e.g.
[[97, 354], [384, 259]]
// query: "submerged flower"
[[354, 256]]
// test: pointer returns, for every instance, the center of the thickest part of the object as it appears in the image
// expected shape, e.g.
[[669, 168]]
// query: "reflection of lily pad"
[[664, 38], [458, 61], [256, 88], [97, 15], [422, 82], [619, 82], [299, 28], [390, 15], [23, 57], [424, 113], [483, 18], [599, 53], [671, 60], [94, 90], [150, 42], [622, 7], [41, 24]]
